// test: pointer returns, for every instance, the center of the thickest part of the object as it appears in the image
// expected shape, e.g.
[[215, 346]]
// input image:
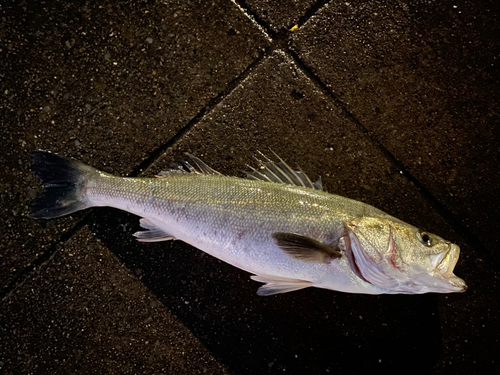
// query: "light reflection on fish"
[[276, 224]]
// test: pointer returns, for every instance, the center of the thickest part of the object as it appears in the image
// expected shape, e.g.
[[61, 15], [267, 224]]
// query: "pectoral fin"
[[152, 234], [277, 285], [306, 249]]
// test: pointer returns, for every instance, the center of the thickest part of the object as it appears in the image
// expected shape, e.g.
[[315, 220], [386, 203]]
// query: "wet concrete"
[[115, 323], [393, 105], [76, 77], [277, 15]]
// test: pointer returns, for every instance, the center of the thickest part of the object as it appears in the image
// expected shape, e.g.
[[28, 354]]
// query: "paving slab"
[[280, 15], [423, 78], [106, 82], [83, 312], [312, 331]]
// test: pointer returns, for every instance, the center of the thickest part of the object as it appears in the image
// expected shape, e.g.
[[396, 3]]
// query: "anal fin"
[[152, 234], [277, 285]]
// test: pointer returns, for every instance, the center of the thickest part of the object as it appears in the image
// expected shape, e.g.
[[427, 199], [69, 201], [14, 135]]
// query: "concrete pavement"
[[395, 105]]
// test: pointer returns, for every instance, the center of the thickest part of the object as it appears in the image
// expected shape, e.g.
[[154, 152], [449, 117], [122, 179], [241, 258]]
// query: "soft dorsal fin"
[[281, 173], [203, 168], [185, 167], [170, 172]]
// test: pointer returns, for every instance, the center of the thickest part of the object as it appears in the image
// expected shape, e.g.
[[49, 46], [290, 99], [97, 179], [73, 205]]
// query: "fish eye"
[[425, 239]]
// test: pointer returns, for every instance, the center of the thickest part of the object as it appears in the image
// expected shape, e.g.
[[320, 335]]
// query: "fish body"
[[276, 225], [234, 219]]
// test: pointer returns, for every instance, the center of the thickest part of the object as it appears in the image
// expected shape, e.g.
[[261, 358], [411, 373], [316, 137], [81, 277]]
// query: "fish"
[[276, 224]]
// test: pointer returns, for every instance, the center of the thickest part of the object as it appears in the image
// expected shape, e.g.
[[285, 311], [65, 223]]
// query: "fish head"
[[400, 258]]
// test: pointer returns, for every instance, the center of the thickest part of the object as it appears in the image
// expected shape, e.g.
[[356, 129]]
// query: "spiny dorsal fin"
[[281, 173], [306, 249]]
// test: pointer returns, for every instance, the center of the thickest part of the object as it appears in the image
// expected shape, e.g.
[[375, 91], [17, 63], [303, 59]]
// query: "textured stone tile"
[[108, 83], [83, 312], [280, 15], [423, 78]]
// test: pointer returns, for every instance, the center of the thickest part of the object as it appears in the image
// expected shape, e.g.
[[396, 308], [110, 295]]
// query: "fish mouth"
[[447, 265]]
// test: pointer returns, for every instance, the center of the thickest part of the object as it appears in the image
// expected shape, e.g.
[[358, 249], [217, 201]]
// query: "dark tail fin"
[[63, 181]]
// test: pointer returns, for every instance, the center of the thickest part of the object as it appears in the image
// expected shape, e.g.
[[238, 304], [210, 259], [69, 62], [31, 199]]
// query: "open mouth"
[[446, 266]]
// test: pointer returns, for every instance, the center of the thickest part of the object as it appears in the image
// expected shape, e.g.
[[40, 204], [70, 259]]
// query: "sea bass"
[[275, 224]]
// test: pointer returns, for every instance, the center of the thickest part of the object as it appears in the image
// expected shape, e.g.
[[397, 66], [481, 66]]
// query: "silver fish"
[[276, 224]]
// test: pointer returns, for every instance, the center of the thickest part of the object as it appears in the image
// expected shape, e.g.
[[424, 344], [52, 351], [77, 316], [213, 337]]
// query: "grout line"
[[278, 41], [470, 238], [312, 11], [212, 103], [266, 27], [255, 18], [44, 257]]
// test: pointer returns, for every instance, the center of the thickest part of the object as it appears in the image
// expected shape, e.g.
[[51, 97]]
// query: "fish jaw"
[[448, 281], [446, 266], [435, 283], [458, 284], [442, 279]]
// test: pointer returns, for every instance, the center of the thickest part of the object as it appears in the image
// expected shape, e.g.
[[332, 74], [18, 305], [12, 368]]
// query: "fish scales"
[[228, 217]]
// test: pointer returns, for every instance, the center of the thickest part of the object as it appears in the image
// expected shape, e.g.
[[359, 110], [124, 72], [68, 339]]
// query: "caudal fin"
[[63, 182]]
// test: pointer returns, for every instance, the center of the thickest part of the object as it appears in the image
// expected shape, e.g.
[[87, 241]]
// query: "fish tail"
[[64, 183]]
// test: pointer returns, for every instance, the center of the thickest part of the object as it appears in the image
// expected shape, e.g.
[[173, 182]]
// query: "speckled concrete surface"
[[112, 323], [392, 104], [278, 15], [108, 84]]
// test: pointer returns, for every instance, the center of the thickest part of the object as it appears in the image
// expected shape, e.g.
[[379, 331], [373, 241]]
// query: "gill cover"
[[375, 258]]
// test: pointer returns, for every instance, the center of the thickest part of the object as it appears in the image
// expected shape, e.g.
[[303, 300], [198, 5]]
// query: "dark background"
[[394, 103]]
